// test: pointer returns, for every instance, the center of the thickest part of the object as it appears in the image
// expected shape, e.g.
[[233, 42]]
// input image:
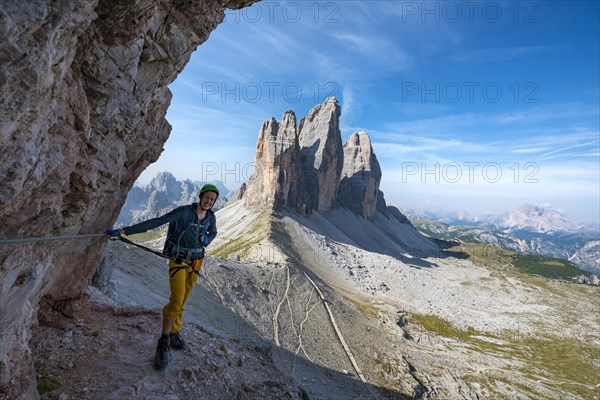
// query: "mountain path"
[[278, 308]]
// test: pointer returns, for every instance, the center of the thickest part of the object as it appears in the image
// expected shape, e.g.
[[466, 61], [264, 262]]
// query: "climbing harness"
[[182, 256], [175, 269]]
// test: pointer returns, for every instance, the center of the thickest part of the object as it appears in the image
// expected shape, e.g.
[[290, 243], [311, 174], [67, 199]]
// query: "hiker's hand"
[[205, 241], [113, 233]]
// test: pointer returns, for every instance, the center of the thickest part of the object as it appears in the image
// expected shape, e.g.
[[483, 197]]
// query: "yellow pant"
[[181, 282]]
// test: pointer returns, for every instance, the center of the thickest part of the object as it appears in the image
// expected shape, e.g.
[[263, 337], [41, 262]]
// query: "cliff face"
[[305, 167], [359, 185], [277, 175], [84, 96], [321, 154]]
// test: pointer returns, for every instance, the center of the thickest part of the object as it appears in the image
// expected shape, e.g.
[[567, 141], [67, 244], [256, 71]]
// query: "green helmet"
[[209, 188]]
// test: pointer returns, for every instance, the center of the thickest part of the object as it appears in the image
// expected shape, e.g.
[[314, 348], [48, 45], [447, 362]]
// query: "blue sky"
[[475, 106]]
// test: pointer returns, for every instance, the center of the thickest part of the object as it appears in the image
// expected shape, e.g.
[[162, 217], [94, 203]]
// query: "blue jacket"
[[185, 228]]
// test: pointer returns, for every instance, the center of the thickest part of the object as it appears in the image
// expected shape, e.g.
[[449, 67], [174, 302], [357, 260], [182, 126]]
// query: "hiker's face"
[[208, 200]]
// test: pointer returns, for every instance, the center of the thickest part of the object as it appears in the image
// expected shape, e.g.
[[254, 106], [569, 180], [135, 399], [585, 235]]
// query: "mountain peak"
[[164, 182], [539, 219], [530, 209], [305, 166]]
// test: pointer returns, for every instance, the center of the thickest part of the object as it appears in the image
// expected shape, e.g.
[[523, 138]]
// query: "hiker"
[[191, 229]]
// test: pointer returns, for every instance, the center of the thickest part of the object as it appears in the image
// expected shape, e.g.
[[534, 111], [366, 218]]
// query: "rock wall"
[[361, 175], [84, 94], [277, 175], [321, 154]]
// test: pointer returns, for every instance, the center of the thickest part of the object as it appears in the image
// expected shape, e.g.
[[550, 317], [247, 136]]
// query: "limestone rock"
[[298, 165], [305, 167], [321, 154], [84, 96], [588, 257], [276, 178], [381, 206], [359, 184], [238, 195], [588, 279]]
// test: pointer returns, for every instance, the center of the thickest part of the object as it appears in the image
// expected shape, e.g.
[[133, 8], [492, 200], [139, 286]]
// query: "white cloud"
[[562, 150]]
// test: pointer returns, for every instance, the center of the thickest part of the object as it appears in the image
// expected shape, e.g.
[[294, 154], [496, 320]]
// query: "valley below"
[[330, 306]]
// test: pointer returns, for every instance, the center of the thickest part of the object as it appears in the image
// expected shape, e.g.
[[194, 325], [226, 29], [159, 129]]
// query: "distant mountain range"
[[163, 194], [528, 228], [526, 217]]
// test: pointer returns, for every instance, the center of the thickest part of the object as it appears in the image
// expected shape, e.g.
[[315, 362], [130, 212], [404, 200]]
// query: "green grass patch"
[[492, 256], [500, 259], [47, 384], [274, 385], [440, 326], [566, 365], [240, 245], [483, 254], [364, 307], [547, 267], [224, 350], [569, 363]]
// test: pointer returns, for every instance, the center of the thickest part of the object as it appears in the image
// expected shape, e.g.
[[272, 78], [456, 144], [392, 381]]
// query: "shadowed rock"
[[359, 185], [321, 154]]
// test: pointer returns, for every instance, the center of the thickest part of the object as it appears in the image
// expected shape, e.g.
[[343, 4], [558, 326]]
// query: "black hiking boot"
[[162, 356], [176, 341]]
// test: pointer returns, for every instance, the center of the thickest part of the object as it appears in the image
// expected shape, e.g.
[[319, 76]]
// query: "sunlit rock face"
[[305, 167], [298, 165], [84, 96], [277, 175]]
